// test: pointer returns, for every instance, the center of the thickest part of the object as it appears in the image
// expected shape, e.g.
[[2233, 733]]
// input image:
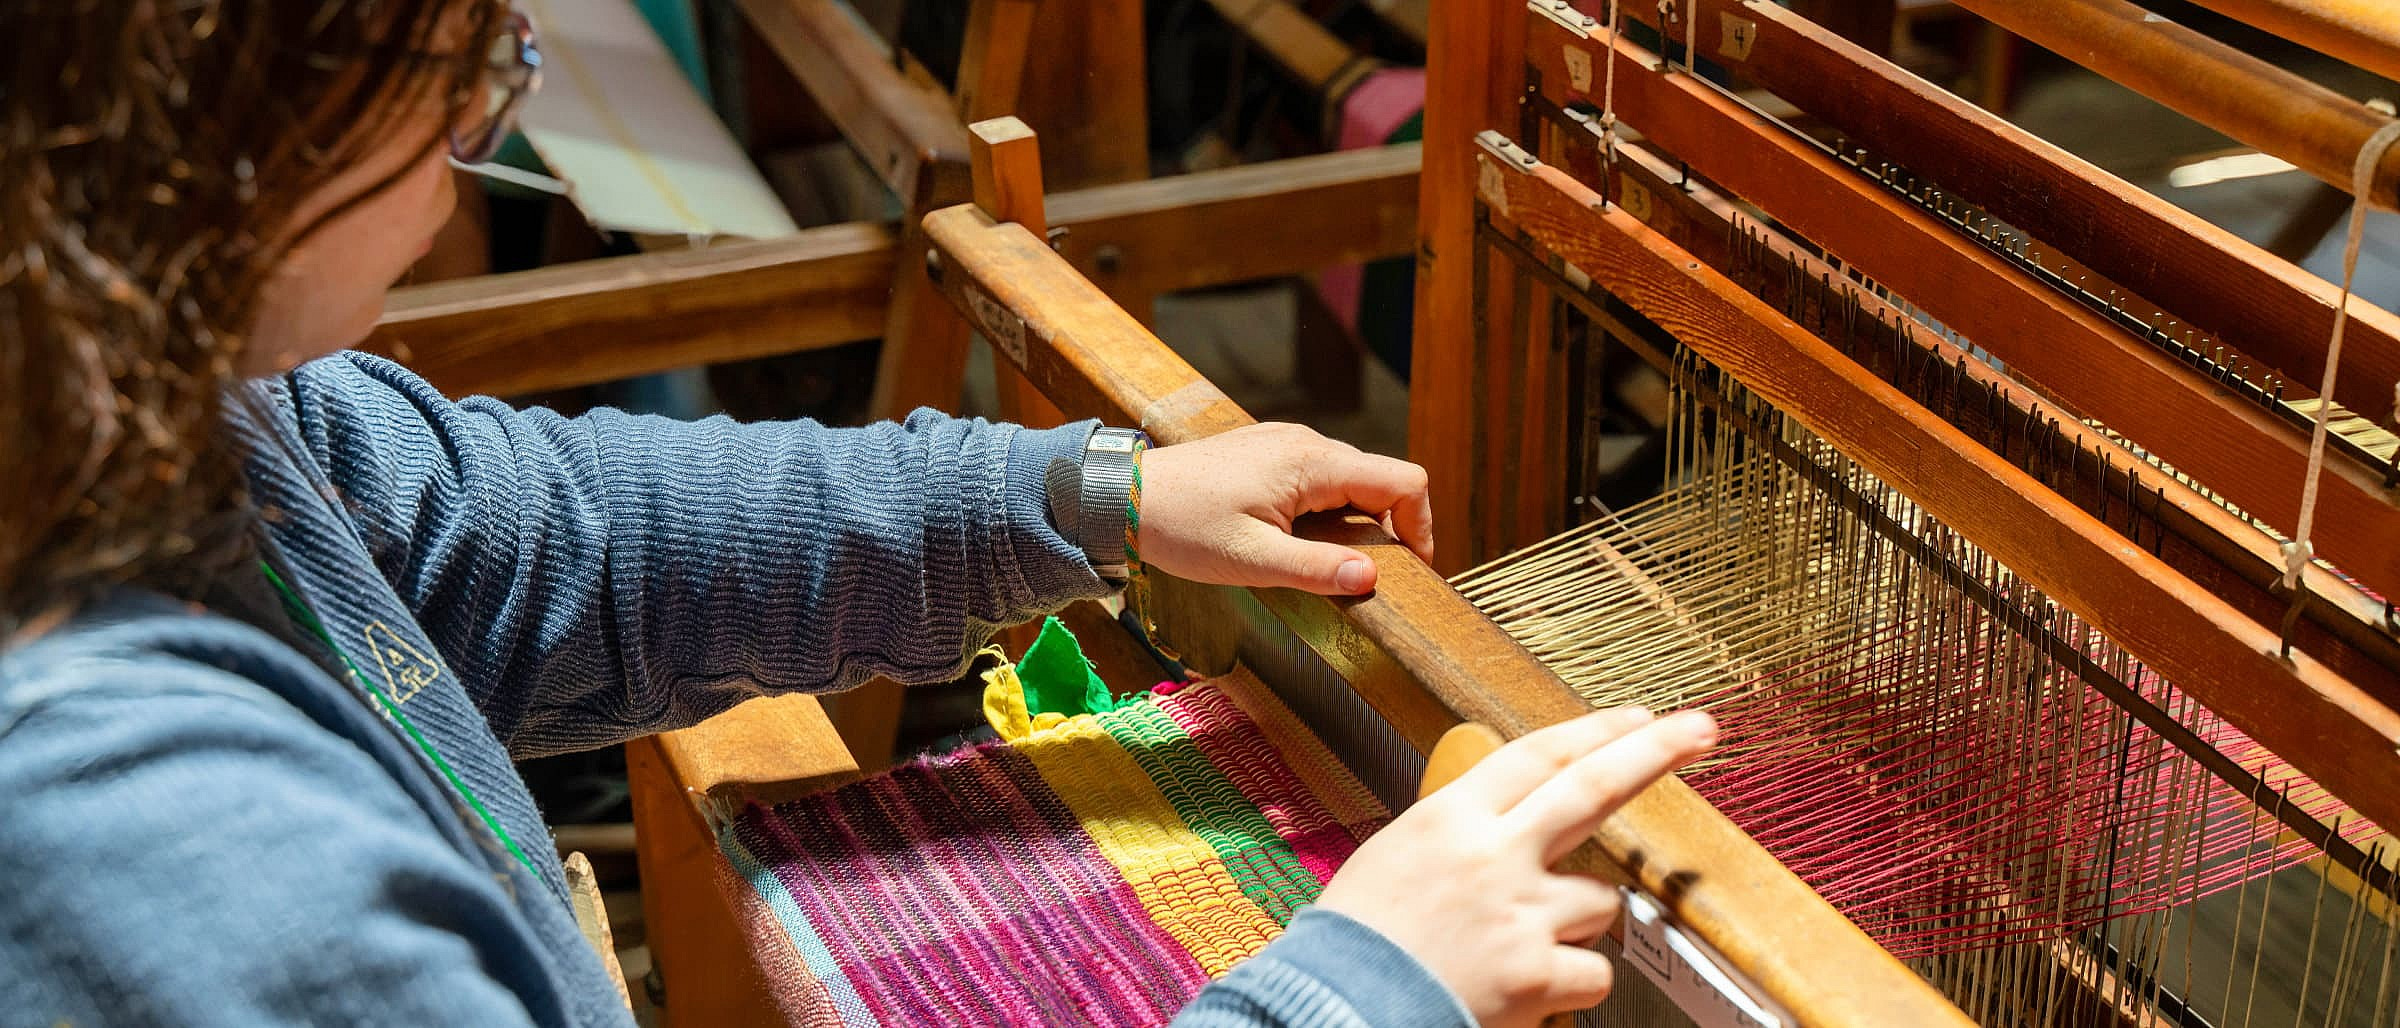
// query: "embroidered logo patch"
[[406, 669]]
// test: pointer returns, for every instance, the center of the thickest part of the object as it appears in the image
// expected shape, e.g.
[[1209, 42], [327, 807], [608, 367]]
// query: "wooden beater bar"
[[2209, 278], [1093, 359], [2069, 351], [2325, 725], [2216, 85]]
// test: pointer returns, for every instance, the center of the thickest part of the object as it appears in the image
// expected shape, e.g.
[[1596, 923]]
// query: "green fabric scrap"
[[1057, 677]]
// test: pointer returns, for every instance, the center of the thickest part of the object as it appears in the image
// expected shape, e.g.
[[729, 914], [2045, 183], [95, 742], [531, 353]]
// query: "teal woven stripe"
[[1261, 862], [796, 924]]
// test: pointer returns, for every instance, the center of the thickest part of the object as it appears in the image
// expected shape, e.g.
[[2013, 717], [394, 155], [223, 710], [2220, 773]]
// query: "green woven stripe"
[[1261, 862]]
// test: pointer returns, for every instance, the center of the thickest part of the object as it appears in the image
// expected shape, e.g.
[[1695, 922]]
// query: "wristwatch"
[[1091, 499]]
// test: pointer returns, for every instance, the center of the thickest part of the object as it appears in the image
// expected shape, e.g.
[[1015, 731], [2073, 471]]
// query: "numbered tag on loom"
[[1690, 972]]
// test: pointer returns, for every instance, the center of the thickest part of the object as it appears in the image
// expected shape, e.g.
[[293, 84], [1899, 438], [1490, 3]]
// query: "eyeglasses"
[[512, 70]]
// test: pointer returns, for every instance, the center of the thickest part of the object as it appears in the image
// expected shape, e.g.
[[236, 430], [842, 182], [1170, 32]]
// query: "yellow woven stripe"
[[1332, 783], [1179, 880]]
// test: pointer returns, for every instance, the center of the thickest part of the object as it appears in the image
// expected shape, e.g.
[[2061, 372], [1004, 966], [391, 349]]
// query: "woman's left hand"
[[1220, 510]]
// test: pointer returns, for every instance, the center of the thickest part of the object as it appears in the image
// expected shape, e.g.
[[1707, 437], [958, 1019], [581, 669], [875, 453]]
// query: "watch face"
[[1111, 443]]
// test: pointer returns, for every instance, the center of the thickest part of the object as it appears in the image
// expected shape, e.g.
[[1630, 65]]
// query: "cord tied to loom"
[[1608, 93], [1668, 10], [2299, 551]]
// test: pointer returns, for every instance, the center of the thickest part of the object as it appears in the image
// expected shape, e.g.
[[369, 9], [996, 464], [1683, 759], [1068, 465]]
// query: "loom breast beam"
[[2067, 350], [2257, 303], [2336, 733], [1420, 653], [2192, 534]]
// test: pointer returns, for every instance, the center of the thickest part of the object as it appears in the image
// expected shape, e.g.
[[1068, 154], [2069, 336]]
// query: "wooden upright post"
[[1470, 85]]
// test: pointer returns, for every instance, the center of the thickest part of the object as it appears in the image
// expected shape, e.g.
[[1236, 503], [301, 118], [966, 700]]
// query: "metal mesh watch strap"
[[1104, 499]]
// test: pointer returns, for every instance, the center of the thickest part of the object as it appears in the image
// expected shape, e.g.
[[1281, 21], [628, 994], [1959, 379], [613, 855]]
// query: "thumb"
[[1262, 555]]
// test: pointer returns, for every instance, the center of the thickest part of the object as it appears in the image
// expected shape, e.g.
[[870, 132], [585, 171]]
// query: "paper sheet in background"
[[639, 150]]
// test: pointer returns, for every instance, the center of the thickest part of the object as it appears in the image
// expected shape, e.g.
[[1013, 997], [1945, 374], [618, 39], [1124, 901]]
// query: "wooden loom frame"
[[1504, 218], [1415, 650]]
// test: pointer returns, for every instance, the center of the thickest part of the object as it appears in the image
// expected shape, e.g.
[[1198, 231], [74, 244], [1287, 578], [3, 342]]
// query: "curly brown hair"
[[150, 154]]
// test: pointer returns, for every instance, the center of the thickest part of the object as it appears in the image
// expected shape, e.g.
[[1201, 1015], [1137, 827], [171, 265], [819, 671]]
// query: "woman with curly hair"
[[276, 618]]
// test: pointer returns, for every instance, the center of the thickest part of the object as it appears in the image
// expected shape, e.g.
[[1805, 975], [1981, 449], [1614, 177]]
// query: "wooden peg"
[[1460, 748], [1008, 173]]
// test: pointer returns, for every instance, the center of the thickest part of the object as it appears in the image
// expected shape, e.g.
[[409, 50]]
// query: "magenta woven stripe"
[[967, 869], [1232, 742], [1117, 946]]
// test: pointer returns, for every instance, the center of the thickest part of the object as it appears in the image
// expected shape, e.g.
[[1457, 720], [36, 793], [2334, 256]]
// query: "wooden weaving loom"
[[1380, 679], [1977, 466], [1078, 67]]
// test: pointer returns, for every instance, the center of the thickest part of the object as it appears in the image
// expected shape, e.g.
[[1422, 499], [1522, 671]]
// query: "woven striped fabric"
[[1097, 871]]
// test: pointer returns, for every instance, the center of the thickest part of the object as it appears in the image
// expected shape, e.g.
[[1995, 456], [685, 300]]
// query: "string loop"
[[2299, 551]]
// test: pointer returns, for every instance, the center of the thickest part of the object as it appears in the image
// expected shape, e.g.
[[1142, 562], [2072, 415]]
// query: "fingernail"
[[1705, 728], [1353, 576]]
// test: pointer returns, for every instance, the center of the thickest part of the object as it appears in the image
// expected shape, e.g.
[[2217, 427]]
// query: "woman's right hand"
[[1463, 879]]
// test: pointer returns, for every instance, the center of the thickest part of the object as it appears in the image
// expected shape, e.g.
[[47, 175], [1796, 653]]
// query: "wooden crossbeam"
[[618, 317], [1251, 221], [906, 129], [2325, 725], [2216, 85], [2070, 352], [1304, 49], [1408, 16], [595, 321], [2262, 305], [909, 132], [2363, 32], [1422, 655]]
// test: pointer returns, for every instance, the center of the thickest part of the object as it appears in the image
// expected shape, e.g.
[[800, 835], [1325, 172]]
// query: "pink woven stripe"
[[1328, 847], [1232, 742], [1332, 784], [966, 869]]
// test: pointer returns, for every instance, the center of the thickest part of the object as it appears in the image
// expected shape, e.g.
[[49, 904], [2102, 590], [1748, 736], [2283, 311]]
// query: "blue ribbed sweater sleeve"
[[1328, 971], [601, 577]]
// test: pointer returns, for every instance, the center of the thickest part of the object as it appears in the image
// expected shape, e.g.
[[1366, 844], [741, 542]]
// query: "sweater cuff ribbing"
[[1052, 566], [1379, 983]]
